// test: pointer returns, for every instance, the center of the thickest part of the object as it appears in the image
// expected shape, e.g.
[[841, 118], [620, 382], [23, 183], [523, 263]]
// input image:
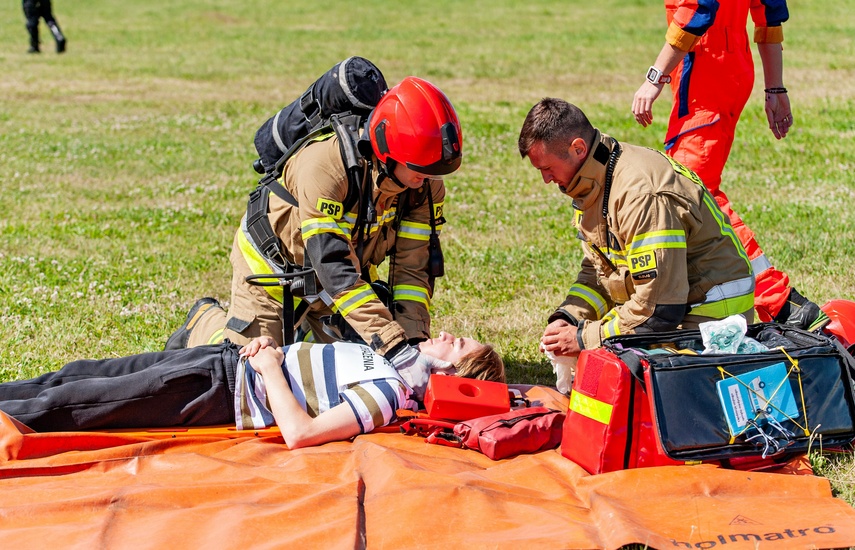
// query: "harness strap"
[[282, 193], [259, 227]]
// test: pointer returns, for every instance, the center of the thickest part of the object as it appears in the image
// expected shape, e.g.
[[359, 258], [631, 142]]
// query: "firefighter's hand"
[[642, 102], [257, 344], [560, 338], [778, 114]]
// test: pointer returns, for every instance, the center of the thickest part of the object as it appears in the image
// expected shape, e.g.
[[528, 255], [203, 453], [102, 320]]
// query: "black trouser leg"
[[58, 36], [188, 387], [46, 13], [31, 12]]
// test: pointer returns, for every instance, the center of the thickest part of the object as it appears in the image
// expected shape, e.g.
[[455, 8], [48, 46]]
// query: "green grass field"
[[125, 162]]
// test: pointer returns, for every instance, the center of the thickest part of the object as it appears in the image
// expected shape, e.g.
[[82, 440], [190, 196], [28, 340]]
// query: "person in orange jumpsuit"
[[707, 60]]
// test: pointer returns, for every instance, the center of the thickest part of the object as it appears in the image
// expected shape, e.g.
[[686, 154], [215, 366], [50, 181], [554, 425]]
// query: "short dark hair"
[[555, 123]]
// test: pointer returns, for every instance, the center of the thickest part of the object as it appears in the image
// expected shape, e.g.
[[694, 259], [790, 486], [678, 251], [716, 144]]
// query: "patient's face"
[[448, 347]]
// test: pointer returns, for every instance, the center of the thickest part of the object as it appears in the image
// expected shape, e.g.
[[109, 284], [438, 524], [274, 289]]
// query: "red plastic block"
[[454, 398]]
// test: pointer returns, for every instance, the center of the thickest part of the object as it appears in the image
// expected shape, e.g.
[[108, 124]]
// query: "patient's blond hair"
[[482, 364]]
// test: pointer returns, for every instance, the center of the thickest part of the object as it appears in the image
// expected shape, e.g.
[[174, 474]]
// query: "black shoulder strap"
[[633, 363], [346, 128], [259, 226], [280, 191]]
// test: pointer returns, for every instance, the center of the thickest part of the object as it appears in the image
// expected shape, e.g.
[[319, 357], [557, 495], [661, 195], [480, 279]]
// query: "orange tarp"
[[218, 488]]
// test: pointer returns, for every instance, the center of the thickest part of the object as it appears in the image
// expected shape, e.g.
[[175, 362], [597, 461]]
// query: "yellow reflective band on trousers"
[[727, 299], [590, 407], [590, 296], [413, 230], [412, 293], [654, 240], [353, 299], [611, 324], [216, 338], [314, 226]]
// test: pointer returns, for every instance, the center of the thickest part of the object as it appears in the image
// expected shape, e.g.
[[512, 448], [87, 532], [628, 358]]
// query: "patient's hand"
[[257, 344], [268, 361]]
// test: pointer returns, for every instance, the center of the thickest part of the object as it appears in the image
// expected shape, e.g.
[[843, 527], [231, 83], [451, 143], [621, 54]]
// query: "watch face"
[[652, 74]]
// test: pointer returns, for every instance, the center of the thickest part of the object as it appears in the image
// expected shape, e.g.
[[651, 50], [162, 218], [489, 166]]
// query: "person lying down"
[[315, 393]]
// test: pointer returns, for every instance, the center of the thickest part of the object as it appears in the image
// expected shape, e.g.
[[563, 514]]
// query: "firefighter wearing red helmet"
[[415, 139]]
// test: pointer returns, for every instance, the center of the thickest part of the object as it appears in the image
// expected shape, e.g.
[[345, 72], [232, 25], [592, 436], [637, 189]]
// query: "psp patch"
[[331, 208], [642, 265]]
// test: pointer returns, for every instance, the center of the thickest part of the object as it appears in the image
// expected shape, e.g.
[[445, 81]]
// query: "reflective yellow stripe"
[[725, 308], [314, 226], [618, 259], [611, 324], [670, 238], [591, 296], [413, 230], [257, 264], [724, 224], [354, 299], [590, 407], [726, 299], [412, 293], [386, 216], [216, 338]]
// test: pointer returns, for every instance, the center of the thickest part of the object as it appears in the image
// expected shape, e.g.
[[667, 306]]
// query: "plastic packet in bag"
[[723, 336]]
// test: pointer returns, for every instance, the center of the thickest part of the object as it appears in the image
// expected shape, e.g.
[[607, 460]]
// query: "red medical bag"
[[655, 399], [608, 425]]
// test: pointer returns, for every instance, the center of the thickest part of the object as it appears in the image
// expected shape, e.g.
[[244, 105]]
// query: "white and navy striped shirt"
[[322, 376]]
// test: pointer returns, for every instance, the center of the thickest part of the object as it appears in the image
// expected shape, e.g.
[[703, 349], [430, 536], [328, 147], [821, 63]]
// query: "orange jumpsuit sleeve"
[[768, 15], [688, 21]]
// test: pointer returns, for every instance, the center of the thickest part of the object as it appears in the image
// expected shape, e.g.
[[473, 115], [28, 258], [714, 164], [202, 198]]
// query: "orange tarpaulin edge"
[[214, 488]]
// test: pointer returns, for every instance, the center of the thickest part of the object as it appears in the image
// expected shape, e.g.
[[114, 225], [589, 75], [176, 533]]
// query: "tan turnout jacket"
[[664, 256], [323, 230]]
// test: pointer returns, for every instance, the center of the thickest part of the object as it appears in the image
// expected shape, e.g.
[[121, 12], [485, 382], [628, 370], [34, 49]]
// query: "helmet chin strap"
[[388, 170]]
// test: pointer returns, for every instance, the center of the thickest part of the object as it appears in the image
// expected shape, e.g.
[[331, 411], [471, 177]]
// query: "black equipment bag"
[[353, 86], [688, 413]]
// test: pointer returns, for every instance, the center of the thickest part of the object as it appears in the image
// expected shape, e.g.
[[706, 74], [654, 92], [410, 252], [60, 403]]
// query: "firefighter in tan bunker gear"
[[658, 252], [415, 139]]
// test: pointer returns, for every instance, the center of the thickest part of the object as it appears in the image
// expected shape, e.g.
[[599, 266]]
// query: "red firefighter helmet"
[[415, 124], [842, 325]]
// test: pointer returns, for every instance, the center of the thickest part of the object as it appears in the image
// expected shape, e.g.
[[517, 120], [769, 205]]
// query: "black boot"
[[58, 36], [800, 312]]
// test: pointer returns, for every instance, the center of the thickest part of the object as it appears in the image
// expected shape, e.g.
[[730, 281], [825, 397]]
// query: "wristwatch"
[[655, 76]]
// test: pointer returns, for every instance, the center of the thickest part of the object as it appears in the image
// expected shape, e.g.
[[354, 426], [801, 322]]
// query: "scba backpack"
[[345, 94]]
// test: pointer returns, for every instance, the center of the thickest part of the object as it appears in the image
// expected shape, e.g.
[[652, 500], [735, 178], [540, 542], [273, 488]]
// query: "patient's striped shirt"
[[321, 377]]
